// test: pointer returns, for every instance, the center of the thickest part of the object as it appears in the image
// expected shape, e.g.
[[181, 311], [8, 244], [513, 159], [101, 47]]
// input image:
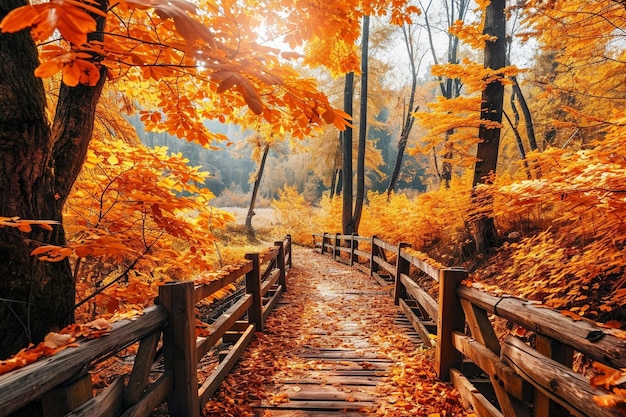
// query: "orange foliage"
[[56, 342]]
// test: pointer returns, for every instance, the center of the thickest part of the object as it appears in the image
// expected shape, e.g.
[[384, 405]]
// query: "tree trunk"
[[408, 117], [255, 190], [528, 120], [491, 110], [38, 166], [346, 211], [360, 167]]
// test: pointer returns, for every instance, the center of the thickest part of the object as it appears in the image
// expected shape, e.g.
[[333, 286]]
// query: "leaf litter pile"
[[334, 309]]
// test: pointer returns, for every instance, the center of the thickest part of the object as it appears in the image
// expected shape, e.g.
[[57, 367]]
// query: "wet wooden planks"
[[342, 382]]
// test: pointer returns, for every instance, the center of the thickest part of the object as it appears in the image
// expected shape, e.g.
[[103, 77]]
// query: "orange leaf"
[[18, 19]]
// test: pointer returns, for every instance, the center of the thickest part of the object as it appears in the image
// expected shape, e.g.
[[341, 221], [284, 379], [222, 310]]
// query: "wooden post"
[[289, 251], [451, 318], [280, 260], [336, 252], [402, 267], [64, 398], [179, 346], [253, 286], [553, 349], [353, 245], [323, 243], [373, 264]]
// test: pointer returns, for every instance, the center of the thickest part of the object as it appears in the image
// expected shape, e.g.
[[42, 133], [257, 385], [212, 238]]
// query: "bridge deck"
[[336, 345]]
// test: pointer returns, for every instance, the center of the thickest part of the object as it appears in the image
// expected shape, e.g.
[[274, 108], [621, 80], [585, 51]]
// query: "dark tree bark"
[[491, 110], [255, 191], [38, 166], [360, 167], [528, 119], [347, 222]]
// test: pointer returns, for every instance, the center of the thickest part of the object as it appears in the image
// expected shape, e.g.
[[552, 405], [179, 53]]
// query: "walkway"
[[335, 346]]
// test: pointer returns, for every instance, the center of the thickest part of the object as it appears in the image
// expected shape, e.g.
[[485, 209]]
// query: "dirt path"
[[336, 344]]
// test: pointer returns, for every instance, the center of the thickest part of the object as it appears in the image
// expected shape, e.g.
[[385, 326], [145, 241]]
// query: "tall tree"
[[491, 111], [350, 220], [360, 167], [39, 163], [170, 46], [255, 190], [347, 221]]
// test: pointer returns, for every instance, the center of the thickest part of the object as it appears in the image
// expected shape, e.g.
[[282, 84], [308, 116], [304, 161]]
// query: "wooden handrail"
[[539, 375], [174, 317]]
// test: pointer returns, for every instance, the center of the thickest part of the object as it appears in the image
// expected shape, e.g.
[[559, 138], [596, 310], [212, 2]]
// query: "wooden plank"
[[24, 385], [271, 304], [416, 323], [108, 403], [141, 368], [314, 413], [224, 323], [423, 266], [472, 397], [213, 382], [179, 347], [427, 302], [268, 255], [607, 349], [204, 290], [391, 269], [347, 355], [493, 366], [269, 268], [481, 327], [561, 384], [361, 268], [386, 246], [154, 395], [380, 279], [334, 379], [326, 393], [270, 281], [318, 405]]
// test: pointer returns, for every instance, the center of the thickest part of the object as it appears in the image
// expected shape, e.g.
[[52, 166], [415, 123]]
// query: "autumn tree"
[[169, 45], [450, 86], [491, 112]]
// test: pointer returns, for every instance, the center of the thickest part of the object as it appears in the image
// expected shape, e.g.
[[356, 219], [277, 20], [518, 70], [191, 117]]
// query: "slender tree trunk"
[[360, 168], [346, 212], [491, 110], [408, 117], [38, 166], [528, 119], [255, 190], [520, 144]]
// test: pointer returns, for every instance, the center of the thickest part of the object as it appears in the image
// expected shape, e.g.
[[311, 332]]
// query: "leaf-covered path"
[[336, 345]]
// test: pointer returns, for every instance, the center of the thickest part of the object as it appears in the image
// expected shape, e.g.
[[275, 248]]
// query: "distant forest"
[[232, 167]]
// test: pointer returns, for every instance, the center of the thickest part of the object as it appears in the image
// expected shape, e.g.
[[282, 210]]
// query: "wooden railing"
[[521, 378], [61, 385]]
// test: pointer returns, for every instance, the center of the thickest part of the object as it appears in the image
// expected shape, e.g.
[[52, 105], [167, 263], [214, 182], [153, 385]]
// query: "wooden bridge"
[[510, 377]]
